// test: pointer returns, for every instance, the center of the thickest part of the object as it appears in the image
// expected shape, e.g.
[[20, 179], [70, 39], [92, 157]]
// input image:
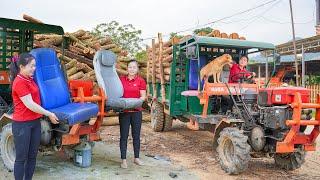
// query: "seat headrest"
[[106, 57]]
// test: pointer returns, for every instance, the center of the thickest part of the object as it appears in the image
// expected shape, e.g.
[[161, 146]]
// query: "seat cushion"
[[74, 113], [124, 103]]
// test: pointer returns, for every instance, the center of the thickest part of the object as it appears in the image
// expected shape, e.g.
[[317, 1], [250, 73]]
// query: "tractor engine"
[[271, 109], [275, 107]]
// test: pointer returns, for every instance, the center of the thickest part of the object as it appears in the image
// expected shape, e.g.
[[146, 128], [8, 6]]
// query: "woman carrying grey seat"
[[134, 86]]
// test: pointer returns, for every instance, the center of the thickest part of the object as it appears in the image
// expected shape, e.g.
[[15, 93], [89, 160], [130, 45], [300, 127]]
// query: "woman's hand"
[[143, 95], [53, 118]]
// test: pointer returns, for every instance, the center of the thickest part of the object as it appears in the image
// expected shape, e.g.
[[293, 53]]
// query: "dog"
[[214, 68]]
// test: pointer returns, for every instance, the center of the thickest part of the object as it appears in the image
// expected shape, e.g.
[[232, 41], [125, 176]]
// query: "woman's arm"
[[30, 104], [143, 95]]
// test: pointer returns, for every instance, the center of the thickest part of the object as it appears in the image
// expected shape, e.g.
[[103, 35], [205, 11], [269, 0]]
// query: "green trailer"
[[17, 37], [182, 107]]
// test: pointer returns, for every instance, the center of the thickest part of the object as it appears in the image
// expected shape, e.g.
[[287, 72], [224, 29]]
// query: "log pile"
[[216, 33], [82, 46], [80, 52], [160, 59]]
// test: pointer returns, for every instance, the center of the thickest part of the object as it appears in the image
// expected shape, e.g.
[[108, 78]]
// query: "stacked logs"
[[158, 64], [78, 57], [216, 33]]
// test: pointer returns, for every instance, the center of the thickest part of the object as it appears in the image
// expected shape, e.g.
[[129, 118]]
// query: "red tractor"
[[269, 121]]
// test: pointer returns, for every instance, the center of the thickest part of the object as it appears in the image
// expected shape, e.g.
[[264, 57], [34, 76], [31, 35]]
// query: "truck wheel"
[[157, 116], [8, 151], [167, 123], [233, 150], [290, 161]]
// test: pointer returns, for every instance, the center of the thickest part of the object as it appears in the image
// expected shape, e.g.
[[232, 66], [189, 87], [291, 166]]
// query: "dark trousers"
[[126, 119], [26, 140]]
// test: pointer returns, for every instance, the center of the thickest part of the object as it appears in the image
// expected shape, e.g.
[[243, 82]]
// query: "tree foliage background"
[[126, 36]]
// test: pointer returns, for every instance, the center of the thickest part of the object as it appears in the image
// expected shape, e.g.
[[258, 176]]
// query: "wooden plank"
[[154, 89], [148, 72], [162, 81]]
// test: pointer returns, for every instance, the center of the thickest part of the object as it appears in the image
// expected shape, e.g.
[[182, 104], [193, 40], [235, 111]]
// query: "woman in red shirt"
[[26, 127], [238, 71], [134, 86]]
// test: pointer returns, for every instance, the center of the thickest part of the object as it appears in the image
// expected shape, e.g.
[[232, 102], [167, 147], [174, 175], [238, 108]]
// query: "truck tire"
[[157, 117], [8, 152], [167, 123], [233, 150], [290, 161]]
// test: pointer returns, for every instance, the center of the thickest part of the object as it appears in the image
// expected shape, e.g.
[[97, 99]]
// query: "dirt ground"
[[182, 152], [193, 150]]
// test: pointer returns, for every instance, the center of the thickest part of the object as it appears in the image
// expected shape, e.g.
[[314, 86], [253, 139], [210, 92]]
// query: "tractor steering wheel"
[[242, 77]]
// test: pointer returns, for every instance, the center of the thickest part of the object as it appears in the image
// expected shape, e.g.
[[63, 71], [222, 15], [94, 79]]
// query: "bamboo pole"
[[154, 89], [148, 65], [163, 92]]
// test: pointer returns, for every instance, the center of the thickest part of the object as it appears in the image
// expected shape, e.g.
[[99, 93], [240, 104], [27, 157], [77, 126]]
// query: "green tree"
[[173, 34], [141, 56], [126, 36], [206, 29]]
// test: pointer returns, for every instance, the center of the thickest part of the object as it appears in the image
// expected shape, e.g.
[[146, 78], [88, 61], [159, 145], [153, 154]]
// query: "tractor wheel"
[[233, 150], [8, 151], [157, 116], [290, 161], [167, 123]]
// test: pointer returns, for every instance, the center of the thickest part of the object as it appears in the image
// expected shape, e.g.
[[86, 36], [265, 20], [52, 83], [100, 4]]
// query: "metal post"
[[303, 67], [266, 80], [259, 76], [294, 45]]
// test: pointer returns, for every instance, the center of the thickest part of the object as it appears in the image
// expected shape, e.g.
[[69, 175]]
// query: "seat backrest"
[[50, 79], [194, 72], [104, 66], [225, 73]]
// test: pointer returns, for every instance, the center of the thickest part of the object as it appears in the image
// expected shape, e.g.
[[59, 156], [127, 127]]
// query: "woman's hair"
[[23, 59], [135, 61], [244, 56]]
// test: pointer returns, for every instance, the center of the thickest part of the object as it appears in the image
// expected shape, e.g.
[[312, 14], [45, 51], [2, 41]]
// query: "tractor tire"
[[8, 151], [290, 161], [167, 123], [157, 117], [233, 150]]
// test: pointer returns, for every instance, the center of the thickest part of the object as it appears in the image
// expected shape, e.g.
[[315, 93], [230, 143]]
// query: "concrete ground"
[[105, 165]]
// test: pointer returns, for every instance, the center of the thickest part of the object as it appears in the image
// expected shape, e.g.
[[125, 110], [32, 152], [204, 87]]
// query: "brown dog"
[[214, 68]]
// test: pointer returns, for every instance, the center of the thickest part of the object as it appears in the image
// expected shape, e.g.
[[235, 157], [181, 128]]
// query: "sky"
[[269, 23]]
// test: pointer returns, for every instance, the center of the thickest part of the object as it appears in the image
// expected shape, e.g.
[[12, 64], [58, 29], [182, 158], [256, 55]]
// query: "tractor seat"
[[194, 72], [54, 91], [104, 66]]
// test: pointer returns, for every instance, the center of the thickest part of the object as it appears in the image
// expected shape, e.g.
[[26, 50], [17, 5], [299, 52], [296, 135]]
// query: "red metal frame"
[[92, 128], [210, 89], [294, 137]]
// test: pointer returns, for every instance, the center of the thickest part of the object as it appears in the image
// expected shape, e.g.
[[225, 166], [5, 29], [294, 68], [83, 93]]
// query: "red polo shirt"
[[235, 69], [131, 88], [23, 86]]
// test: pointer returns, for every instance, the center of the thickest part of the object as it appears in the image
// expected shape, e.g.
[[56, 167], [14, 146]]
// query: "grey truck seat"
[[104, 66]]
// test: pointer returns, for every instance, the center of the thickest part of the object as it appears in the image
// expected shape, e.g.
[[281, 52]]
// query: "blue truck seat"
[[194, 72], [54, 91]]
